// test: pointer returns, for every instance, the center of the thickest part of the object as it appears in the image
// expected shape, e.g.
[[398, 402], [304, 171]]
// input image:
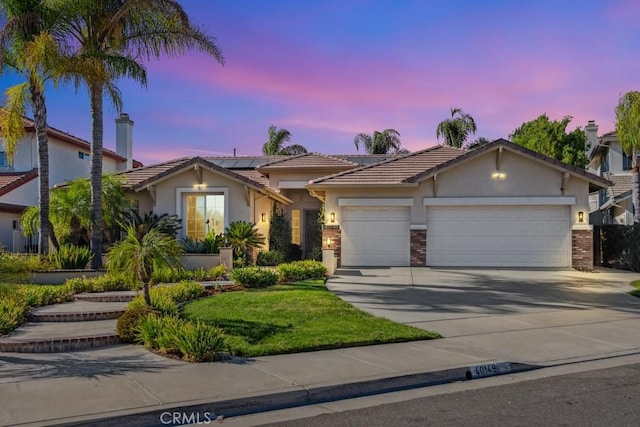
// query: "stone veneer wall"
[[582, 249], [334, 232], [418, 248]]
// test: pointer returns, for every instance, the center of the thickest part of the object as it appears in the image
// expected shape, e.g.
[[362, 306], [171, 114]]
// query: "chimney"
[[591, 129], [124, 139]]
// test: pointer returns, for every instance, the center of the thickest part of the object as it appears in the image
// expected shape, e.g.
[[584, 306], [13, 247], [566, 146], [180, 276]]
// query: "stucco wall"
[[25, 195], [6, 229]]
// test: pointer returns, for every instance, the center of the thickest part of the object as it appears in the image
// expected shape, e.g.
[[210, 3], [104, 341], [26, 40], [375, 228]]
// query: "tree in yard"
[[112, 38], [628, 132], [140, 256], [279, 231], [385, 142], [243, 237], [70, 210], [550, 138], [456, 130], [28, 45], [275, 145]]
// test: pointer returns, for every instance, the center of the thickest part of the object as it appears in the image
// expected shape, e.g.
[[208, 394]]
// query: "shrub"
[[70, 257], [613, 244], [195, 342], [254, 277], [217, 272], [105, 283], [270, 258], [199, 342], [210, 245], [632, 247], [243, 237], [158, 332], [315, 254], [294, 253], [279, 230], [12, 313], [16, 267], [128, 323], [301, 270], [165, 299]]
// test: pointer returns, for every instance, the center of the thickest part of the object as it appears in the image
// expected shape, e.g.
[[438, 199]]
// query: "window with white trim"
[[204, 213]]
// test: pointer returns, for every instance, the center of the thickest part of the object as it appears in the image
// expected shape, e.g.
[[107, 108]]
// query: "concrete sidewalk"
[[98, 386]]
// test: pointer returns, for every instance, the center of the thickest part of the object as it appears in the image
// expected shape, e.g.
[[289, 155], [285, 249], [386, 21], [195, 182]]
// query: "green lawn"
[[636, 291], [296, 317]]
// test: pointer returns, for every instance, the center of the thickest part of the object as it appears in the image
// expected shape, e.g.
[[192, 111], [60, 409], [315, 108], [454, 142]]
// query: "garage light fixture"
[[264, 217], [498, 175], [328, 242], [581, 216], [332, 217]]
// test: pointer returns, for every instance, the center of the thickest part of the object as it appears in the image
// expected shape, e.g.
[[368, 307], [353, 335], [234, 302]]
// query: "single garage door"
[[498, 236], [375, 236]]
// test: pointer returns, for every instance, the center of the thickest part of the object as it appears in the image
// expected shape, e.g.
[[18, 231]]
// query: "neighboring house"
[[500, 205], [611, 205], [69, 158]]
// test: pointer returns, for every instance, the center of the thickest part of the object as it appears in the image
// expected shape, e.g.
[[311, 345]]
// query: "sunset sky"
[[327, 70]]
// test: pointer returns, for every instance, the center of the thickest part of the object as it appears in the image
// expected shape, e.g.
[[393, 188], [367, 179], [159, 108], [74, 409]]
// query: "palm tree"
[[456, 129], [140, 256], [628, 132], [29, 46], [70, 210], [380, 142], [112, 38], [275, 144], [243, 237]]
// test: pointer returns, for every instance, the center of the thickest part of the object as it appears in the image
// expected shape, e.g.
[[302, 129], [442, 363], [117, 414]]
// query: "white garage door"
[[375, 236], [498, 236]]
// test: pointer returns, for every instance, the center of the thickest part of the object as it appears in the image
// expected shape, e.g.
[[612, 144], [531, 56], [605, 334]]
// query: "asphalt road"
[[603, 397]]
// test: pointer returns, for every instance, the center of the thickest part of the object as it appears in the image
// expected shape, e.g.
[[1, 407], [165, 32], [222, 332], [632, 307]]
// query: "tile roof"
[[309, 161], [396, 170], [30, 126], [253, 175], [136, 177], [9, 181], [621, 184], [414, 167]]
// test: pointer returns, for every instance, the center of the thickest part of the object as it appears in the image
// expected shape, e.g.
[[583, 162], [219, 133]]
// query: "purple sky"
[[331, 69]]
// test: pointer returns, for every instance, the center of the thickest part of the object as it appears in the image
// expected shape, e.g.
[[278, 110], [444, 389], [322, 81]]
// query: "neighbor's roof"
[[622, 185], [9, 181], [73, 140], [396, 170]]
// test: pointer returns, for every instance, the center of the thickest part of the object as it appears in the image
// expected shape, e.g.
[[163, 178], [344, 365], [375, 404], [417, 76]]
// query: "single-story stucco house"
[[500, 205]]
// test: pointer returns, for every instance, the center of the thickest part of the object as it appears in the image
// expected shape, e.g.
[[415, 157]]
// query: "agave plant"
[[243, 236]]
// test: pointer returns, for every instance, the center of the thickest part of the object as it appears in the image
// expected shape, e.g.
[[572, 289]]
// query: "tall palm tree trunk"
[[40, 120], [635, 189], [95, 93]]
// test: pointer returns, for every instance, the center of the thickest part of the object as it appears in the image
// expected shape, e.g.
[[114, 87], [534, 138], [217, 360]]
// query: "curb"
[[206, 412]]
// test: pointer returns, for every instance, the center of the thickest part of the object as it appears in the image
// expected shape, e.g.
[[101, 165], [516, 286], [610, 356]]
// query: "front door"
[[312, 232]]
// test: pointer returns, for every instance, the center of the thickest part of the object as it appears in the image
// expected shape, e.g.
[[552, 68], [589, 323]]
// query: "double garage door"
[[466, 236]]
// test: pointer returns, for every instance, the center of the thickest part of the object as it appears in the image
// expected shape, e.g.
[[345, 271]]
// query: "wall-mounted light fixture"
[[332, 216], [581, 216], [498, 175], [264, 217], [199, 186], [328, 242]]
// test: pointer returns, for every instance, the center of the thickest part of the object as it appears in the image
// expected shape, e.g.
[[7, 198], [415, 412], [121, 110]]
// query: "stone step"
[[112, 296], [77, 311], [53, 337]]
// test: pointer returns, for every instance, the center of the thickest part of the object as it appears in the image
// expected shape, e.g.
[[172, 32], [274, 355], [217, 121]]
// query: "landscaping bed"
[[636, 291]]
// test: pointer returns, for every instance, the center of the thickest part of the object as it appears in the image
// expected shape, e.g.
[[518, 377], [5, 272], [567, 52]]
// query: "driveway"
[[469, 302]]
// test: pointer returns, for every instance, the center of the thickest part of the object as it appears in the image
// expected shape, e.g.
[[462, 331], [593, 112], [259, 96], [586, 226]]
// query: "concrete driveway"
[[472, 302]]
